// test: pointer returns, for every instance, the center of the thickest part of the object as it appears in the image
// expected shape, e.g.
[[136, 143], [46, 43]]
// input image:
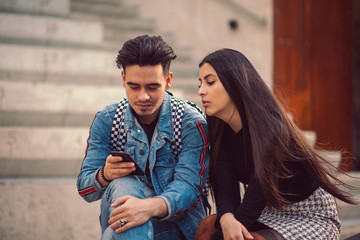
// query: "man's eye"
[[134, 87]]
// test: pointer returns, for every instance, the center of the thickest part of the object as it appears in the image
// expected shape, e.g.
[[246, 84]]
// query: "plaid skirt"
[[313, 218]]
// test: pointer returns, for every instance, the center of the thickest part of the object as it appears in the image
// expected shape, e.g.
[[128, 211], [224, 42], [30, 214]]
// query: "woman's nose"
[[201, 91]]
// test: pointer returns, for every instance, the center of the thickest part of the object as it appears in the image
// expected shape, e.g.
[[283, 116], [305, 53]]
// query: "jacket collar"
[[164, 127]]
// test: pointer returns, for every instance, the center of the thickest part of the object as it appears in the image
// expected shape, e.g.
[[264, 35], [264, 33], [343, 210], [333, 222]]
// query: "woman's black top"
[[231, 168]]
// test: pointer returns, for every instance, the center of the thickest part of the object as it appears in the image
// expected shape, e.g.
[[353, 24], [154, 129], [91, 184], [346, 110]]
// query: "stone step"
[[349, 211], [119, 28], [12, 118], [104, 9], [52, 97], [50, 29], [54, 31], [58, 78], [117, 22], [112, 33], [43, 151], [333, 157], [20, 168], [117, 25], [353, 179], [350, 214], [76, 62], [311, 136], [54, 210], [57, 60], [47, 209], [41, 7], [55, 104], [113, 46], [120, 22], [109, 2], [188, 84], [350, 227], [42, 143]]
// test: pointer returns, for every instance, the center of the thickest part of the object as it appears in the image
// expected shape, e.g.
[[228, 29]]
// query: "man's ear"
[[123, 77], [168, 80]]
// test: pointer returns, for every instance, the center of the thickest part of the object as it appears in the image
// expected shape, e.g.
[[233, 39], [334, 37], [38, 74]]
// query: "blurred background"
[[57, 69]]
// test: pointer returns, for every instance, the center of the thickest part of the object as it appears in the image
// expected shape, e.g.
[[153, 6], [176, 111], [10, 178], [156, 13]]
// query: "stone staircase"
[[350, 214], [57, 69]]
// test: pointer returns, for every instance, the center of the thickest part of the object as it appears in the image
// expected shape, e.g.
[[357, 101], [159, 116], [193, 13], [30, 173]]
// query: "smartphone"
[[126, 158]]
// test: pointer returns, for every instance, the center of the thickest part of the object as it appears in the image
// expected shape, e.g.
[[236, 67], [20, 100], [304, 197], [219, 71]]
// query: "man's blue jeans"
[[153, 229]]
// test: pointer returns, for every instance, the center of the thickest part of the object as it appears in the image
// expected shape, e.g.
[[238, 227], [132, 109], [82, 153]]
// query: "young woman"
[[289, 194]]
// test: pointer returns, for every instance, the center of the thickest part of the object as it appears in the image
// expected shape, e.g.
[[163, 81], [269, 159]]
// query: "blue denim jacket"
[[179, 183]]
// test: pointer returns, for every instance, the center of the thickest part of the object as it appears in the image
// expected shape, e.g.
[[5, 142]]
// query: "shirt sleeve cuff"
[[96, 183], [168, 205]]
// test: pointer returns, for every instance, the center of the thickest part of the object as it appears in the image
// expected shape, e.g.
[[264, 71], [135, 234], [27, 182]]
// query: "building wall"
[[203, 25]]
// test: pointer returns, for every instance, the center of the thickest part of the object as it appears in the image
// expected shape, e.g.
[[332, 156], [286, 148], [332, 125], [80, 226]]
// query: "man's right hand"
[[115, 168]]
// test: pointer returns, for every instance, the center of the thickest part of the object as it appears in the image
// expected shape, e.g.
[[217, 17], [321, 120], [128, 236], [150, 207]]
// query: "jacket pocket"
[[164, 166]]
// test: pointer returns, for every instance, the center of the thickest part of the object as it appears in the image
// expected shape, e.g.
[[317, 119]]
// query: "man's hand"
[[135, 211], [233, 229], [115, 168]]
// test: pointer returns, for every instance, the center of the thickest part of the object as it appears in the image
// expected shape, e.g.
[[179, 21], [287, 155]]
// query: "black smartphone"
[[126, 158]]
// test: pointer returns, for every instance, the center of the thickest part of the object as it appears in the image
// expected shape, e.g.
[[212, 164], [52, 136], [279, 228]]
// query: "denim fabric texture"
[[178, 182], [137, 187]]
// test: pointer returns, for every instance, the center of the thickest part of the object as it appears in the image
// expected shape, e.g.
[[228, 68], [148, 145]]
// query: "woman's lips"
[[205, 103]]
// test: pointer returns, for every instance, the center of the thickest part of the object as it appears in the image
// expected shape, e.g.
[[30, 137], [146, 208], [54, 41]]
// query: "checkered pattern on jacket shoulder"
[[118, 135]]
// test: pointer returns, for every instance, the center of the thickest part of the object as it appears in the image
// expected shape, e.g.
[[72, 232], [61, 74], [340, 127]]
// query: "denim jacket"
[[179, 182]]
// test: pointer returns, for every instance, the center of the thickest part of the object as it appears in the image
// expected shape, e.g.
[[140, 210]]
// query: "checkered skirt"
[[313, 218]]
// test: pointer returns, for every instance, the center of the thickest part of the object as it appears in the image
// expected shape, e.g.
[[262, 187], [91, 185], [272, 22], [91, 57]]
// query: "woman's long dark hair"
[[270, 136]]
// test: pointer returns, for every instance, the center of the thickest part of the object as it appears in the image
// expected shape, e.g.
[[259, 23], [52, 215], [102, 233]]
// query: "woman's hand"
[[232, 229]]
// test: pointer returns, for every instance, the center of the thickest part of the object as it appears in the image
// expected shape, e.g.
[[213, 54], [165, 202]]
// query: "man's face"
[[145, 88]]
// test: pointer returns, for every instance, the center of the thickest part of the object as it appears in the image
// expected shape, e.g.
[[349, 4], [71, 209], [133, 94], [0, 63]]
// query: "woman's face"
[[214, 97]]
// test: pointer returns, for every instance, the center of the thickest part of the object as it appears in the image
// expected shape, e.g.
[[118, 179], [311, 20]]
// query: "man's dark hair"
[[145, 51]]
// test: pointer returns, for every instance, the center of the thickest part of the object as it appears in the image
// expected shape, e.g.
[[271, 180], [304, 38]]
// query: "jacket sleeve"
[[184, 193], [97, 150]]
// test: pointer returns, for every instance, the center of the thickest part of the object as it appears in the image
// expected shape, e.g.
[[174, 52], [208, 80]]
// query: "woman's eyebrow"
[[207, 76]]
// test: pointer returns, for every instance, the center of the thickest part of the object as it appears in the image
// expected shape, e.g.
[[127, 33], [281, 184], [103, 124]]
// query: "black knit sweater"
[[231, 169]]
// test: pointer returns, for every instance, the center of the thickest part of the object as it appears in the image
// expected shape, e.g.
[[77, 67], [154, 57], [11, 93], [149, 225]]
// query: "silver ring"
[[122, 222]]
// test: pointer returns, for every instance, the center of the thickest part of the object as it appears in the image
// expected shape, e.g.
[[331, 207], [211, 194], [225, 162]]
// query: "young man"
[[163, 202]]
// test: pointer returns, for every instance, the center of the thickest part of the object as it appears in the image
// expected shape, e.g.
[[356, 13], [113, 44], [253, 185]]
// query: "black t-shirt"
[[231, 169], [149, 130]]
